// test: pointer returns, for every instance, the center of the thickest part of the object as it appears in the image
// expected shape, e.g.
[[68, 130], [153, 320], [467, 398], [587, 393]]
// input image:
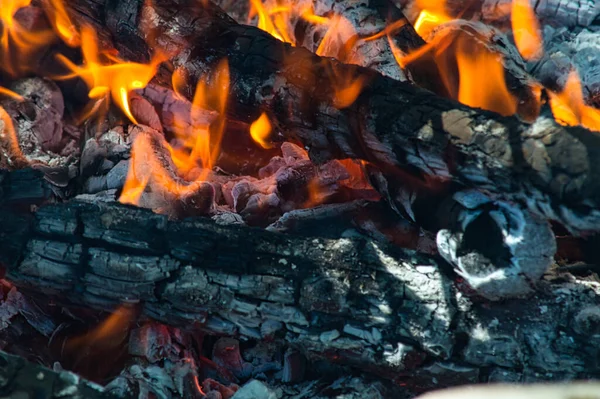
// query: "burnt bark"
[[20, 378], [400, 130], [353, 301]]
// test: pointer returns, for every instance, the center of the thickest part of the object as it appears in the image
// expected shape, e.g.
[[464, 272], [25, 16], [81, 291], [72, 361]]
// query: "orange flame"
[[61, 22], [146, 167], [110, 333], [109, 77], [433, 14], [8, 135], [347, 86], [200, 144], [260, 130], [274, 20], [526, 30], [490, 93], [569, 108], [18, 44]]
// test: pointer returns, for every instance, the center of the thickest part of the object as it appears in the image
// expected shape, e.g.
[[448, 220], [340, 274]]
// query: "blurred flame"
[[347, 86], [17, 43], [179, 82], [433, 13], [339, 40], [569, 108], [107, 76], [260, 130], [109, 333], [490, 93], [8, 135], [61, 22], [526, 30]]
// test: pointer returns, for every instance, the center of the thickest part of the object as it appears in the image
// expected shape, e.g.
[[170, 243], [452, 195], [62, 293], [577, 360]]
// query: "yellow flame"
[[433, 14], [490, 93], [111, 77], [8, 135], [18, 44], [569, 108], [526, 30], [200, 149], [62, 24], [260, 130]]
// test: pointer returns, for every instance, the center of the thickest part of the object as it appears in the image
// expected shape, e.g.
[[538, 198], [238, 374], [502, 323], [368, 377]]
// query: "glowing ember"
[[107, 76], [260, 131], [433, 14], [569, 108], [526, 30]]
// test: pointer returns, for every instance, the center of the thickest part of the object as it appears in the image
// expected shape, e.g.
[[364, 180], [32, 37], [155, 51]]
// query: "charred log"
[[353, 300], [23, 379], [399, 129]]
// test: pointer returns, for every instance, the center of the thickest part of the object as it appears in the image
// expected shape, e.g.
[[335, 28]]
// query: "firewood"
[[392, 125], [352, 301]]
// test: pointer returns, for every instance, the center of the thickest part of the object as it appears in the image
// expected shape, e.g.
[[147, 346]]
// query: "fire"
[[275, 20], [490, 93], [9, 141], [17, 43], [199, 150], [433, 13], [108, 334], [61, 22], [201, 144], [347, 86], [260, 130], [108, 77], [526, 30], [569, 108]]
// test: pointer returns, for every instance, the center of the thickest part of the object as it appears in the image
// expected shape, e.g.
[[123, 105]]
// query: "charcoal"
[[92, 158], [226, 353], [294, 366], [95, 184], [115, 178], [255, 389]]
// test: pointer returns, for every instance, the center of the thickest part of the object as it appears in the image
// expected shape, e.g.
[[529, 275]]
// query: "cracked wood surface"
[[21, 379], [399, 129], [352, 300]]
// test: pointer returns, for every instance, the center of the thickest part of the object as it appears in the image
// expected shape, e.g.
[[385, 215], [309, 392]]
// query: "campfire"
[[297, 198]]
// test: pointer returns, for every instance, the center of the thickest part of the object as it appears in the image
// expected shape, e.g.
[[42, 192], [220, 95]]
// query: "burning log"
[[352, 301], [583, 13], [546, 166]]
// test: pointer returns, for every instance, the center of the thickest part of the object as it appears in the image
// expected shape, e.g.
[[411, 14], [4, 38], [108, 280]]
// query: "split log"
[[400, 130], [351, 300]]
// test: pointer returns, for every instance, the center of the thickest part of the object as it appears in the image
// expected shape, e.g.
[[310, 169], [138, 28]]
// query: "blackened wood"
[[21, 379], [351, 300], [400, 129]]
